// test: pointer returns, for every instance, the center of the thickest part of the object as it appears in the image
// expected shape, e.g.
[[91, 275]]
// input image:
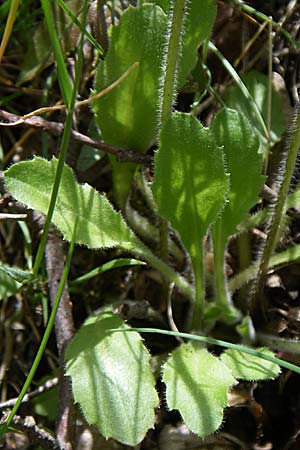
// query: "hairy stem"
[[198, 307], [177, 13], [289, 160]]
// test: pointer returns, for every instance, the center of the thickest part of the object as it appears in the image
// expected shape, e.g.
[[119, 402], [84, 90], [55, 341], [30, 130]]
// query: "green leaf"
[[112, 379], [233, 131], [113, 264], [257, 85], [249, 367], [199, 22], [127, 116], [197, 384], [21, 276], [164, 4], [190, 183], [8, 284], [99, 225]]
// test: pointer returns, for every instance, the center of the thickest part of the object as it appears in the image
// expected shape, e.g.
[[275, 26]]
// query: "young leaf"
[[257, 84], [197, 384], [127, 116], [99, 225], [112, 379], [249, 367]]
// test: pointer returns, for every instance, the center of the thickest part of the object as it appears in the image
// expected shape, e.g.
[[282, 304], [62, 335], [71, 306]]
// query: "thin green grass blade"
[[90, 38], [213, 341], [43, 344], [67, 129], [9, 25], [250, 10], [114, 264], [241, 85], [63, 76]]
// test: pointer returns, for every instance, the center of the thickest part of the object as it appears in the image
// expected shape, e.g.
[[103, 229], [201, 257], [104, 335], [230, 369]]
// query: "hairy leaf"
[[199, 22], [198, 25], [127, 116], [99, 225], [197, 385], [232, 130], [190, 183], [257, 84], [112, 379], [249, 367]]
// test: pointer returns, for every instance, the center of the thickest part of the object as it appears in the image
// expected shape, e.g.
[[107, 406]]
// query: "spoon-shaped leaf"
[[233, 131], [189, 186], [190, 183], [112, 379], [127, 116], [197, 384]]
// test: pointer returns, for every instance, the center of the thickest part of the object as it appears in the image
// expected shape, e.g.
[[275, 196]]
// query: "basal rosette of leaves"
[[114, 368]]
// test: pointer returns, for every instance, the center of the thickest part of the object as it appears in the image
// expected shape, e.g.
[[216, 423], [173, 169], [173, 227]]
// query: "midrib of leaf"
[[196, 255]]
